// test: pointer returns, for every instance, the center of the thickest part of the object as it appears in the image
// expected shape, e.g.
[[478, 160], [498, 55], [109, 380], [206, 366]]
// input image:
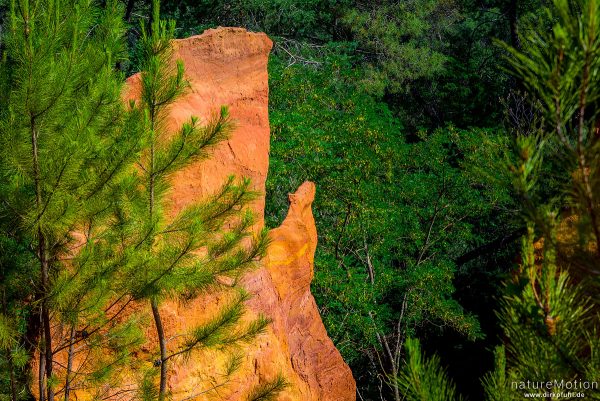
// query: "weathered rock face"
[[228, 66], [225, 67]]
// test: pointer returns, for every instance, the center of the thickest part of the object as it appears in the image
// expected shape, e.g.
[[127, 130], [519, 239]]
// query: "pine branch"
[[268, 391]]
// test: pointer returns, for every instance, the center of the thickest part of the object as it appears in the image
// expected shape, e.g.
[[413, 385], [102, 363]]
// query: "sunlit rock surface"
[[228, 66]]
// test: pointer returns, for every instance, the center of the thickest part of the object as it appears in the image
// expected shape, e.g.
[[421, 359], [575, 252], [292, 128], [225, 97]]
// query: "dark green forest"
[[454, 144]]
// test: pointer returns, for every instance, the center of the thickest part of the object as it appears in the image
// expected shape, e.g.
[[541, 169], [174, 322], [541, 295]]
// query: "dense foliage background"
[[396, 111]]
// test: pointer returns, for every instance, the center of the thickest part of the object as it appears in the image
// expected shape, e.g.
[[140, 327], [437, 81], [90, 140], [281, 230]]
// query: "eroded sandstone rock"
[[228, 66]]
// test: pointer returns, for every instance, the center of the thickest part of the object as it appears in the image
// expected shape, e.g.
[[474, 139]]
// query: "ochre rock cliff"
[[228, 66]]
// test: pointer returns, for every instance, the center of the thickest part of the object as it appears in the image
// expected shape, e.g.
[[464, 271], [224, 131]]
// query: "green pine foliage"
[[497, 384], [269, 390], [16, 262], [164, 260], [423, 378], [558, 68], [65, 150], [548, 312], [84, 185], [550, 328]]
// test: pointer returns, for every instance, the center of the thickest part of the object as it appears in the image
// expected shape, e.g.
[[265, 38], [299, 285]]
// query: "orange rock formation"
[[228, 66]]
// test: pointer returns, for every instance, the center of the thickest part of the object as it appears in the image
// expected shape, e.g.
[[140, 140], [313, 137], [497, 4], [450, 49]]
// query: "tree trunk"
[[41, 370], [491, 246], [129, 10], [69, 364], [163, 350], [46, 318], [44, 265], [397, 396], [513, 20]]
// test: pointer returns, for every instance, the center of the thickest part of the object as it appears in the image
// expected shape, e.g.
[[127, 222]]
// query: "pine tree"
[[65, 148], [194, 252], [548, 314], [91, 224], [558, 66]]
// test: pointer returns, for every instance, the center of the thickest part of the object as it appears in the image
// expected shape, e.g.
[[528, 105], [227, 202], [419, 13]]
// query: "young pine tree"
[[549, 314], [203, 248], [558, 66], [63, 153]]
